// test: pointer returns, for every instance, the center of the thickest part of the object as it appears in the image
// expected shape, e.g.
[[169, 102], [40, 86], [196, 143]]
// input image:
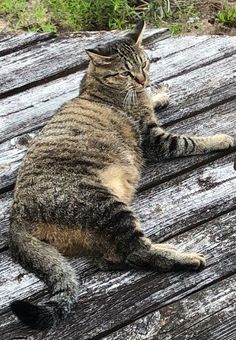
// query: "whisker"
[[135, 97], [129, 99], [125, 99]]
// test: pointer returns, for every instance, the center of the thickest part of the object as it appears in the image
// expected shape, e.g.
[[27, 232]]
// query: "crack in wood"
[[20, 42]]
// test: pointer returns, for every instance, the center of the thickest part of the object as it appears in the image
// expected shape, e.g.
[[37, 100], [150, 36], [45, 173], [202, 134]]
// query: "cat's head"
[[121, 64]]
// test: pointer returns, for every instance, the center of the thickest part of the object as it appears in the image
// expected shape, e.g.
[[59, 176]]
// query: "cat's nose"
[[140, 78]]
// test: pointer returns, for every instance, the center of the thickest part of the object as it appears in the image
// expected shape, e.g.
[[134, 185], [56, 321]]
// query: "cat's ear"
[[137, 34], [97, 58]]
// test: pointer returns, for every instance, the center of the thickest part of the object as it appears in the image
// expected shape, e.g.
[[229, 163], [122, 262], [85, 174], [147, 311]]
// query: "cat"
[[76, 184]]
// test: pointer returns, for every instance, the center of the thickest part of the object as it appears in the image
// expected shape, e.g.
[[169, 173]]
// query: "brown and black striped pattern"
[[75, 185]]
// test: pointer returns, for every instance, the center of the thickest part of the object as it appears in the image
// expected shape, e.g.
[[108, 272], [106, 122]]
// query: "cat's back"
[[86, 130], [80, 142]]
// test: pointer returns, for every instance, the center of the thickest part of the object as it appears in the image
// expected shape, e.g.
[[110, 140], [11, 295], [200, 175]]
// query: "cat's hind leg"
[[122, 242], [162, 258]]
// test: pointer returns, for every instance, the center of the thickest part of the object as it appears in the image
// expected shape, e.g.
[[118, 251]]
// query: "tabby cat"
[[77, 181]]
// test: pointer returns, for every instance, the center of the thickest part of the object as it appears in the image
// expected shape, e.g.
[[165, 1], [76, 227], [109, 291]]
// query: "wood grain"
[[107, 300], [38, 104], [221, 119], [51, 58], [198, 316], [190, 202], [21, 41], [198, 55]]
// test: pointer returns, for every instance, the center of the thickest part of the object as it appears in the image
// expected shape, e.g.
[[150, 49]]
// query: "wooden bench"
[[190, 202]]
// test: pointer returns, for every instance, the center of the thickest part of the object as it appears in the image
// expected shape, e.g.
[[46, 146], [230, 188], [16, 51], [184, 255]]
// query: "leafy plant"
[[179, 16], [227, 16], [52, 15]]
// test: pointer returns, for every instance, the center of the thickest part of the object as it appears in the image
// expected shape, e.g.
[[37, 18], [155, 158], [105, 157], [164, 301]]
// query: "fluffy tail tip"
[[34, 316]]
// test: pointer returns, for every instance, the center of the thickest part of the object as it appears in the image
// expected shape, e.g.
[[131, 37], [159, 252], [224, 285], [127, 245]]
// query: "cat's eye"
[[125, 74], [110, 75]]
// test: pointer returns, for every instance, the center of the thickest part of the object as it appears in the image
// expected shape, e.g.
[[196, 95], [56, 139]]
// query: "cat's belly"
[[74, 241], [69, 242], [121, 180]]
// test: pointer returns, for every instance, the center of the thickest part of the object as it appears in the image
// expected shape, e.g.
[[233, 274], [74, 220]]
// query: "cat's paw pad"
[[193, 261], [224, 141]]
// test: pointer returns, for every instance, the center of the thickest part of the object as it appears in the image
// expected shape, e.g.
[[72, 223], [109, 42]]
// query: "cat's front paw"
[[223, 141], [160, 96]]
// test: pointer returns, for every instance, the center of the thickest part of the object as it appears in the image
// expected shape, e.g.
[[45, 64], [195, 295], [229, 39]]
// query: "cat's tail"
[[50, 266]]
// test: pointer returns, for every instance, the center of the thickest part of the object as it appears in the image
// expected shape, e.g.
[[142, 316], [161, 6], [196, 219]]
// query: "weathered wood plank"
[[32, 108], [199, 55], [175, 45], [199, 90], [189, 93], [5, 206], [221, 119], [178, 204], [20, 41], [189, 199], [217, 327], [56, 57], [119, 298], [190, 318]]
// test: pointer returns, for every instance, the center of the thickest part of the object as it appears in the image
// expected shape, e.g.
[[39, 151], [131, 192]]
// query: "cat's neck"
[[94, 90]]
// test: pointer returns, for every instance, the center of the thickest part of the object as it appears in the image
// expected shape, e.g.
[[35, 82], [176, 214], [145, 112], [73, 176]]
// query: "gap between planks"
[[183, 315], [142, 291], [153, 174], [213, 186], [19, 42], [184, 96], [55, 59]]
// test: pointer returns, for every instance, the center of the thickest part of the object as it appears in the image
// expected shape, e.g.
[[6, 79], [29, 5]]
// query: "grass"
[[54, 15], [179, 16], [227, 16], [74, 15]]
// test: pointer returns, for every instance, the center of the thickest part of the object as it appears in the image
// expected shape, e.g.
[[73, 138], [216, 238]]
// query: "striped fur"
[[75, 185]]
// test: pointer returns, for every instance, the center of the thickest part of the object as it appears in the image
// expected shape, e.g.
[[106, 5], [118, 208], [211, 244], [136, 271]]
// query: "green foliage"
[[23, 14], [56, 15], [179, 16], [177, 28], [227, 16], [51, 15]]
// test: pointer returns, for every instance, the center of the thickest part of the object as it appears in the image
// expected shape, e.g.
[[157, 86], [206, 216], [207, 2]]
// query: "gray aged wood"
[[51, 58], [190, 202], [18, 42], [14, 150], [202, 310], [128, 295]]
